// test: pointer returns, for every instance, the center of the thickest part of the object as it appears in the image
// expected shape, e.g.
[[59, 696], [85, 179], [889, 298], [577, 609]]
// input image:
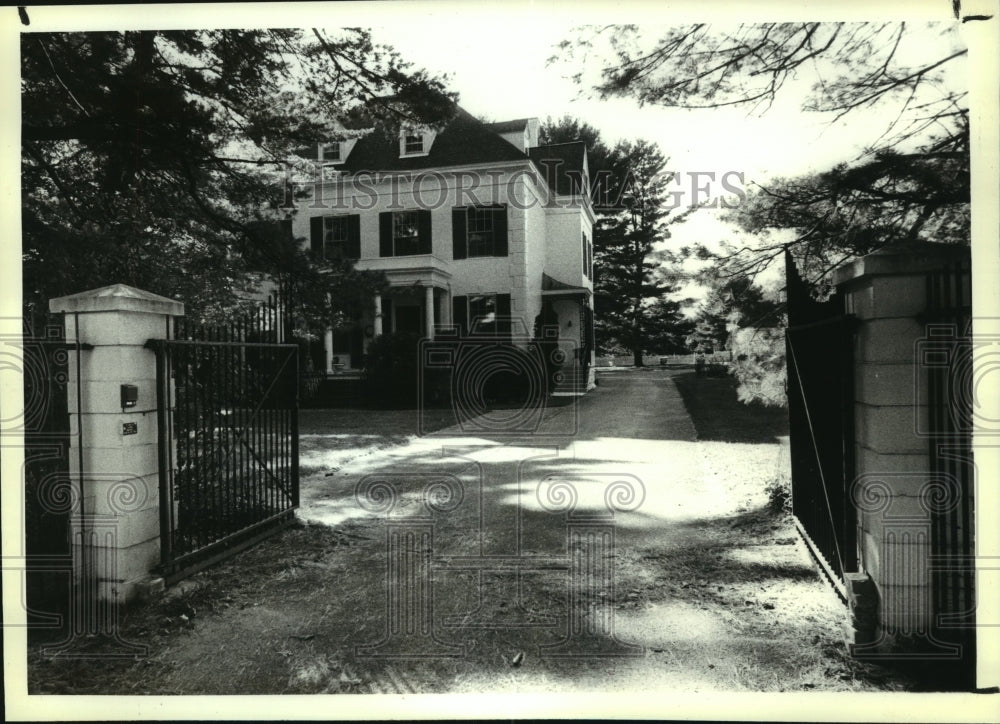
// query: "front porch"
[[417, 301]]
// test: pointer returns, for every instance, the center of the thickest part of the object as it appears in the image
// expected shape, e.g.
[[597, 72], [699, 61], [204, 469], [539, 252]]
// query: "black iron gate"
[[819, 346], [228, 450]]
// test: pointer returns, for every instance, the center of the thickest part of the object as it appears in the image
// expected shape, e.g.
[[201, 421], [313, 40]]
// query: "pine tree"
[[152, 158]]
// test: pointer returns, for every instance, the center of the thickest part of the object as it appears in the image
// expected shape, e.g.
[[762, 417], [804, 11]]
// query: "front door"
[[408, 319]]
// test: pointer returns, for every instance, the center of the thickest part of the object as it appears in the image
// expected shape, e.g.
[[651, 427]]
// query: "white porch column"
[[429, 310], [378, 314], [328, 348]]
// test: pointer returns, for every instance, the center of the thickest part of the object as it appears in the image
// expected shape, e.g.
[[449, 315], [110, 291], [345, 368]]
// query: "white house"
[[478, 229]]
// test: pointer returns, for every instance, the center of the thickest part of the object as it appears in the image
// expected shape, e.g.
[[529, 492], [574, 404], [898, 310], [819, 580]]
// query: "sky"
[[500, 80]]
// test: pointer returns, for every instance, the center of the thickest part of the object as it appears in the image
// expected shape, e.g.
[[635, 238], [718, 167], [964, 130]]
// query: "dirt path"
[[699, 586]]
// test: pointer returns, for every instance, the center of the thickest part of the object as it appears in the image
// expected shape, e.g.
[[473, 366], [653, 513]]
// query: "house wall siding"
[[564, 250], [537, 230], [518, 274]]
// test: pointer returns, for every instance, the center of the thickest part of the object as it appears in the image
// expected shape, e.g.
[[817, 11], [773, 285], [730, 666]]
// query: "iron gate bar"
[[224, 543], [833, 461], [834, 577], [227, 425], [190, 563], [819, 340], [163, 458], [242, 441], [819, 461], [218, 343]]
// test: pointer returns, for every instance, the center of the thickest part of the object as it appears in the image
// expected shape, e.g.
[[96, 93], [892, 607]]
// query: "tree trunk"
[[637, 357]]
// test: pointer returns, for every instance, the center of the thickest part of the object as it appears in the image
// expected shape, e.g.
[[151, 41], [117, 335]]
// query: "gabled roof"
[[465, 140], [508, 126], [562, 165]]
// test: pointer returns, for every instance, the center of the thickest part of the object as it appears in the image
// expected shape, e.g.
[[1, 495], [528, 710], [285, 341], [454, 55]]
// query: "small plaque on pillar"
[[130, 428]]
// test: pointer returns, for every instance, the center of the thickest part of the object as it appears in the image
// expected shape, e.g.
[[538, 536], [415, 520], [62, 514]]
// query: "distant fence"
[[655, 360]]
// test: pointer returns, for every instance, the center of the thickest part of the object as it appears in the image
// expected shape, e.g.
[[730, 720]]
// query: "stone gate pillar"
[[913, 485], [113, 454]]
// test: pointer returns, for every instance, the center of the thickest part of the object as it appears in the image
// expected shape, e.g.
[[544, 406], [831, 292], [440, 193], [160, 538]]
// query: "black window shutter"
[[460, 314], [385, 233], [503, 315], [458, 233], [354, 236], [316, 236], [424, 230], [287, 245], [500, 231]]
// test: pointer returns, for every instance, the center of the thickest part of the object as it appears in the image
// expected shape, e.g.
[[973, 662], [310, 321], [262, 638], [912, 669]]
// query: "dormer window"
[[330, 152], [335, 153], [414, 143]]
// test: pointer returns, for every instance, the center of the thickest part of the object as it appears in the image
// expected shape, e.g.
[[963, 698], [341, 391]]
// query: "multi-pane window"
[[336, 237], [331, 152], [480, 231], [483, 314], [414, 143], [405, 233]]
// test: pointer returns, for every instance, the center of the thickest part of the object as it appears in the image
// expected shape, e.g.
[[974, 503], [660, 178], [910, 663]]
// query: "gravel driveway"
[[499, 567]]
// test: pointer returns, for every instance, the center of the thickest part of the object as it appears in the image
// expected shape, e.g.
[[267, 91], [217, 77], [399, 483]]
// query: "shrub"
[[390, 370], [396, 371], [492, 373], [779, 495], [500, 374]]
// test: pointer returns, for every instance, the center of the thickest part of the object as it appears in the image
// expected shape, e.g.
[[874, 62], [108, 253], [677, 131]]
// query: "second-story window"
[[336, 237], [479, 231], [405, 236], [404, 233]]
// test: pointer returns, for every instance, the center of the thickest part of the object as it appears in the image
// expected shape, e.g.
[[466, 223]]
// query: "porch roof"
[[554, 288], [407, 271]]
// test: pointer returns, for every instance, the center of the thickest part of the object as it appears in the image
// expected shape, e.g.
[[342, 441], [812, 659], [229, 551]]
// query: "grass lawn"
[[718, 414]]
